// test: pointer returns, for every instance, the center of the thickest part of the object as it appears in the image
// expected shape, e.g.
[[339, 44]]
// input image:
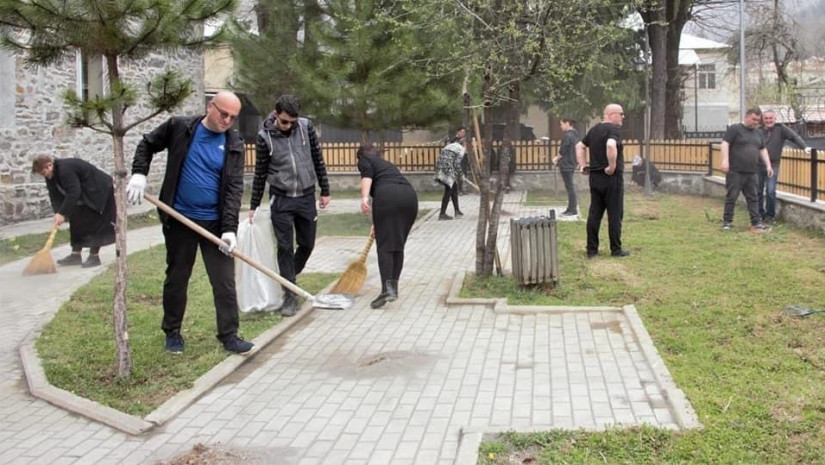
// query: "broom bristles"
[[354, 276], [42, 263], [352, 280]]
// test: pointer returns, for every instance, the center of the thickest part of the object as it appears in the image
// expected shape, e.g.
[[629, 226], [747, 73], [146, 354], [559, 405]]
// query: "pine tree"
[[361, 64], [46, 31]]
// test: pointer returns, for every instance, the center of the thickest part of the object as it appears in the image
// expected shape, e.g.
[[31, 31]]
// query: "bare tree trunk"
[[678, 12], [657, 38], [120, 320]]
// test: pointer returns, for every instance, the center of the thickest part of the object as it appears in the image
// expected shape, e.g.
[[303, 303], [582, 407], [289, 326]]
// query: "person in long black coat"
[[83, 195], [394, 205]]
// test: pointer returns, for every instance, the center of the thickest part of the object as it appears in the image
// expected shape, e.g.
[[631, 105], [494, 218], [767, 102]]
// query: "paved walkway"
[[416, 382]]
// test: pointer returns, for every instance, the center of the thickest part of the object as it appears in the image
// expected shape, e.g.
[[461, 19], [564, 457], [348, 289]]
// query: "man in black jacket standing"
[[775, 136], [204, 182], [289, 158], [83, 195]]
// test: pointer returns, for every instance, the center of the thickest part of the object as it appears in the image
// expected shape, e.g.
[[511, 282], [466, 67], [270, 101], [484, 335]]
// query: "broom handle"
[[50, 240], [363, 256], [215, 240]]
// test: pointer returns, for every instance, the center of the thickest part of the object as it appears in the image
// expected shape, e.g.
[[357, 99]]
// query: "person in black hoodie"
[[83, 195], [203, 182], [289, 158]]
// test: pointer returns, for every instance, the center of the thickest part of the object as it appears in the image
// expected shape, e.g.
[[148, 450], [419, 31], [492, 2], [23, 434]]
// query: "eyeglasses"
[[224, 114]]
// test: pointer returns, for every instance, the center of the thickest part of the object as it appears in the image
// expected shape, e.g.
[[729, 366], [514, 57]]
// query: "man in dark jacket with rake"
[[203, 182], [289, 158]]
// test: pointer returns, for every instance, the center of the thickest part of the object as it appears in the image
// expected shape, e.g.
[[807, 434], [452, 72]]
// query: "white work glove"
[[135, 188], [807, 150], [230, 241]]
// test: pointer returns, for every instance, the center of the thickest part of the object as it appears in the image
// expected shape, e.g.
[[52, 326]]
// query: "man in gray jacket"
[[289, 158], [775, 136]]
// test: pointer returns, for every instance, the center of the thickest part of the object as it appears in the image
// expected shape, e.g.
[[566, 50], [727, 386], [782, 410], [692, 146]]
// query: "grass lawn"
[[713, 302], [77, 348]]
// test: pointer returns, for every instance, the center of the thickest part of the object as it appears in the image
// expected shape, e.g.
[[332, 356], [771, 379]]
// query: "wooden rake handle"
[[215, 240]]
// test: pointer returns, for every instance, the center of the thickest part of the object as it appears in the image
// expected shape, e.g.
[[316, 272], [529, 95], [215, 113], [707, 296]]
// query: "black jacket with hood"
[[291, 162], [175, 136]]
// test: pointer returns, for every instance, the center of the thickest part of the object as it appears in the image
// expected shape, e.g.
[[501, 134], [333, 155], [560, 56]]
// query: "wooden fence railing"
[[798, 172]]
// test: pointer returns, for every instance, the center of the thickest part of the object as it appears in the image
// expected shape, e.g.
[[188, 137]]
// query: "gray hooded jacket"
[[291, 162]]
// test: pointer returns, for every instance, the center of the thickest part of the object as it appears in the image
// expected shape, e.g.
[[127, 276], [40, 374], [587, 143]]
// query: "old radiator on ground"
[[534, 249]]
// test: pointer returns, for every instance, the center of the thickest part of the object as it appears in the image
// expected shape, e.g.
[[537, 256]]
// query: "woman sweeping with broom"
[[394, 208], [83, 195]]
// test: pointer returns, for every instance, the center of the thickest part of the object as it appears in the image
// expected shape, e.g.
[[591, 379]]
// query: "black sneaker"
[[291, 305], [444, 216], [620, 253], [70, 260], [174, 343], [91, 261], [726, 226], [459, 214], [237, 345]]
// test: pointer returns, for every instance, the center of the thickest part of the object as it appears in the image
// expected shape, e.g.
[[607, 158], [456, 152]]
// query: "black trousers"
[[295, 220], [450, 193], [181, 248], [570, 187], [746, 183], [606, 194]]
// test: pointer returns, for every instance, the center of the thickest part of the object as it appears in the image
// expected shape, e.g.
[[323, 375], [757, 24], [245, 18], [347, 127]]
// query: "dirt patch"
[[202, 454]]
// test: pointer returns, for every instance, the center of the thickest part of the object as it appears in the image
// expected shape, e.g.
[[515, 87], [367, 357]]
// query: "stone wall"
[[38, 127]]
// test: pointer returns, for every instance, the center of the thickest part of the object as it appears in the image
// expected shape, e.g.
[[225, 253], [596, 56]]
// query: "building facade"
[[33, 121]]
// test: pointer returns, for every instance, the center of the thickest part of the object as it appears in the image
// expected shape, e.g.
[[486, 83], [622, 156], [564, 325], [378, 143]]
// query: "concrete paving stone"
[[472, 360], [348, 441], [381, 457]]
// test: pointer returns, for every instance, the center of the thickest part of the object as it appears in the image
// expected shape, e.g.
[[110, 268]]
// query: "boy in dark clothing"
[[289, 158], [566, 161], [606, 182]]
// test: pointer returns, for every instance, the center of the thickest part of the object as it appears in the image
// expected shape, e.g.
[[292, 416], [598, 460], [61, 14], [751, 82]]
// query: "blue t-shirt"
[[200, 178]]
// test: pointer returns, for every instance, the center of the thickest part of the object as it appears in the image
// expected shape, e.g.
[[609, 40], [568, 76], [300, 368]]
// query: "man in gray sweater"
[[775, 136]]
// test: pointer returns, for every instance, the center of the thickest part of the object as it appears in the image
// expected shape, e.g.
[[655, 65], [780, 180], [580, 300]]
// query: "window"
[[90, 76], [707, 76]]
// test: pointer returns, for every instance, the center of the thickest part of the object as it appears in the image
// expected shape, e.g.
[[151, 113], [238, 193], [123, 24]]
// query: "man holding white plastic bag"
[[256, 291]]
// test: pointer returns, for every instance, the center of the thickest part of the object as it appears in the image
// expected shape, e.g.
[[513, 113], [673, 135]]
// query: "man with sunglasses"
[[204, 182], [289, 158]]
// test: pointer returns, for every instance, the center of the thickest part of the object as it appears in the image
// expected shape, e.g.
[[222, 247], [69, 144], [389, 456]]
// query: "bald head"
[[222, 112], [614, 114]]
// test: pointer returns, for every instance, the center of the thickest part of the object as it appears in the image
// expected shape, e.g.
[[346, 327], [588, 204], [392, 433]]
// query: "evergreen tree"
[[361, 64], [46, 31]]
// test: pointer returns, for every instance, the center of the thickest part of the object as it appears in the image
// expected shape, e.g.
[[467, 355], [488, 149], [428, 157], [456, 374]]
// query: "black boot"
[[384, 296], [392, 290]]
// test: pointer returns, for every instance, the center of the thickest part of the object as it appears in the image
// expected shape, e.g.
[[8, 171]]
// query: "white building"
[[710, 89]]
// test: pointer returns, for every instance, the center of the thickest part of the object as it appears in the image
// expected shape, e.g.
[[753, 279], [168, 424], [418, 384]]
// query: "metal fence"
[[799, 171]]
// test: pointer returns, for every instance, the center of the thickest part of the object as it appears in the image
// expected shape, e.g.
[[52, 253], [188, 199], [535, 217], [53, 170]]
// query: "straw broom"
[[42, 262], [356, 272]]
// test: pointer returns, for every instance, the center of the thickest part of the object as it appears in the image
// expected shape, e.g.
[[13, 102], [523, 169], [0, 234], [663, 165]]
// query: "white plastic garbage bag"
[[256, 291]]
